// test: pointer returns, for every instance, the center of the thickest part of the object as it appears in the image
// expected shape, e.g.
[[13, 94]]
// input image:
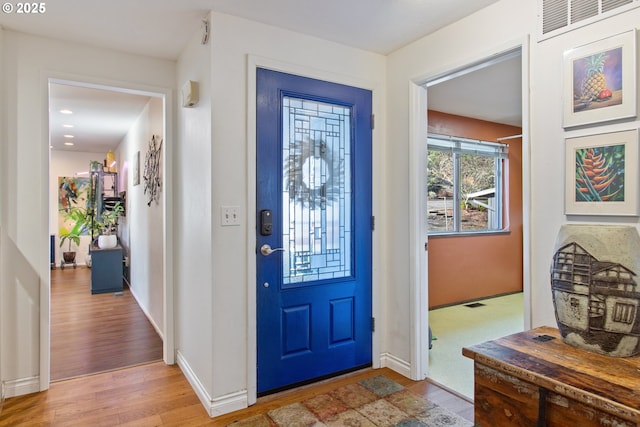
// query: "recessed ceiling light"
[[68, 136], [68, 143], [66, 111], [67, 126]]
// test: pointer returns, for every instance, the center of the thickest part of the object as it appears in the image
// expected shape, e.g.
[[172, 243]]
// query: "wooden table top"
[[539, 356]]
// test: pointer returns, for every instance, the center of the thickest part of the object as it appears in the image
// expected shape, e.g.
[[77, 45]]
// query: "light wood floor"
[[155, 394], [96, 333], [159, 395]]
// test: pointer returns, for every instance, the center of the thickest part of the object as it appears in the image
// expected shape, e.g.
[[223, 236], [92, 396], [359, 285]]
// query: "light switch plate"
[[229, 215]]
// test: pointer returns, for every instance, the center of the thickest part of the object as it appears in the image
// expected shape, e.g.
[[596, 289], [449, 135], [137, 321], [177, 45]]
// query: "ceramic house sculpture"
[[595, 288]]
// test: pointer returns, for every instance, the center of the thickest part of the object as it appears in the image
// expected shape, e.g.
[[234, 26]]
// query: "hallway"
[[96, 333]]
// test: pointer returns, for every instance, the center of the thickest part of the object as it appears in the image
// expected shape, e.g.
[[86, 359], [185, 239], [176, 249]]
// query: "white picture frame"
[[584, 99], [602, 174]]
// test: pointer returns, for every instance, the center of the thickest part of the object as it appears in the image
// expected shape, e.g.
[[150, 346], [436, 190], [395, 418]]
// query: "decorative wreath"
[[303, 192]]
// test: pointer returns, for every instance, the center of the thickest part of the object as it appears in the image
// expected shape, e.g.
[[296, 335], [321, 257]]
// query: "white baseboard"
[[388, 360], [229, 403], [214, 406], [21, 386], [146, 313]]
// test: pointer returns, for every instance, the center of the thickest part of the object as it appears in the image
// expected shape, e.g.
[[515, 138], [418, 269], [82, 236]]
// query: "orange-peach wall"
[[466, 268]]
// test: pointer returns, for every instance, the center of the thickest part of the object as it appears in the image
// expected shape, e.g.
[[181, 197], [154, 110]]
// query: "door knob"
[[267, 250]]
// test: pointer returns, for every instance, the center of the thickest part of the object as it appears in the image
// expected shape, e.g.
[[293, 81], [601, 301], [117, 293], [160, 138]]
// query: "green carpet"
[[461, 326]]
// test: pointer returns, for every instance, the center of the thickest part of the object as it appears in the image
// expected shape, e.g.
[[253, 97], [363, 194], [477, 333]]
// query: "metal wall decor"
[[152, 177]]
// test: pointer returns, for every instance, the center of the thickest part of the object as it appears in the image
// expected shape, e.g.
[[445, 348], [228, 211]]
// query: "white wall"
[[217, 295], [141, 230], [67, 164], [193, 219], [547, 151], [487, 32], [27, 61]]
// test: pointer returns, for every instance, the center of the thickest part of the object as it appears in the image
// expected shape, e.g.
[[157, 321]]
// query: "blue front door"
[[314, 229]]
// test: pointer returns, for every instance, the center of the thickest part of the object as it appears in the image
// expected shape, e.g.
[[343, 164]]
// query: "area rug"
[[373, 402]]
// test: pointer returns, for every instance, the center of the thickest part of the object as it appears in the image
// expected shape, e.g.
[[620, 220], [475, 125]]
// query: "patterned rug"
[[373, 402]]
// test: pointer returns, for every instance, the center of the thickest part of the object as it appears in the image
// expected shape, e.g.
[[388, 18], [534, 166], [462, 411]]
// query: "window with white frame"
[[466, 185]]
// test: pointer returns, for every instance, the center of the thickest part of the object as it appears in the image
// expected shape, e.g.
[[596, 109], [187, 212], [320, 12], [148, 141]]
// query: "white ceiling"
[[492, 93], [100, 118], [161, 28]]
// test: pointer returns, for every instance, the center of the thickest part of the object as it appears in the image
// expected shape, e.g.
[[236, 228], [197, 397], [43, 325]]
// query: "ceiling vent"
[[560, 16]]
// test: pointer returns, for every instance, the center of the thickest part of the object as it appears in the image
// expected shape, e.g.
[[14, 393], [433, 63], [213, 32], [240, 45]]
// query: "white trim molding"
[[419, 364], [21, 386], [418, 257], [228, 403], [388, 360], [166, 94], [214, 406], [147, 314]]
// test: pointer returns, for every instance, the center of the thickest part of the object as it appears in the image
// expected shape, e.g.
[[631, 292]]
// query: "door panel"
[[314, 213]]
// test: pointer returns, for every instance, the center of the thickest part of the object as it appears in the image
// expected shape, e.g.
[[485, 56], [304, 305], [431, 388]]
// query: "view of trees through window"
[[471, 174]]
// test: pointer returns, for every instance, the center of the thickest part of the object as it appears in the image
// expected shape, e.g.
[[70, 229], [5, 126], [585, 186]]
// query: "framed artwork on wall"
[[602, 174], [73, 193], [599, 81]]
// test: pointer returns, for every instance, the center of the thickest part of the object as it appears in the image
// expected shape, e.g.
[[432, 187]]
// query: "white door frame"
[[418, 260], [418, 191], [253, 63], [168, 341]]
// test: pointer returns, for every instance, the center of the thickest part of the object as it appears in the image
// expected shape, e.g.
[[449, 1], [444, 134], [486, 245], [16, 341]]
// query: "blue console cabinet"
[[106, 270]]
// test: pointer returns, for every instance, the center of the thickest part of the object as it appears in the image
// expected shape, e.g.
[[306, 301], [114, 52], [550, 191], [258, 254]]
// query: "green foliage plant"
[[70, 237], [109, 218]]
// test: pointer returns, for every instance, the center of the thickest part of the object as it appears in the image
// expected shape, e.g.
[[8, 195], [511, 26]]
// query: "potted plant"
[[109, 224], [84, 221], [72, 236], [80, 222]]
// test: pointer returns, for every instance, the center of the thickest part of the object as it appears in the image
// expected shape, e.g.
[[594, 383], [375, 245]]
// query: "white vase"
[[107, 241]]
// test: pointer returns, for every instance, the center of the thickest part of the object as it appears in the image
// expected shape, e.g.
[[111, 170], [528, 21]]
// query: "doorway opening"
[[88, 124], [471, 282]]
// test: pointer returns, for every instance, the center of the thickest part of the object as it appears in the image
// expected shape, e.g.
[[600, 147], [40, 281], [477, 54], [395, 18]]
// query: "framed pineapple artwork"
[[600, 81], [602, 174]]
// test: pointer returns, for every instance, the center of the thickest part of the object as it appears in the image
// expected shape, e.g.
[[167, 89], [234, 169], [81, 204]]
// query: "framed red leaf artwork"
[[602, 174]]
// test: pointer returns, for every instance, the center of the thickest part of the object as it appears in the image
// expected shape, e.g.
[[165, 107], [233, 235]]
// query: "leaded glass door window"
[[316, 220]]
